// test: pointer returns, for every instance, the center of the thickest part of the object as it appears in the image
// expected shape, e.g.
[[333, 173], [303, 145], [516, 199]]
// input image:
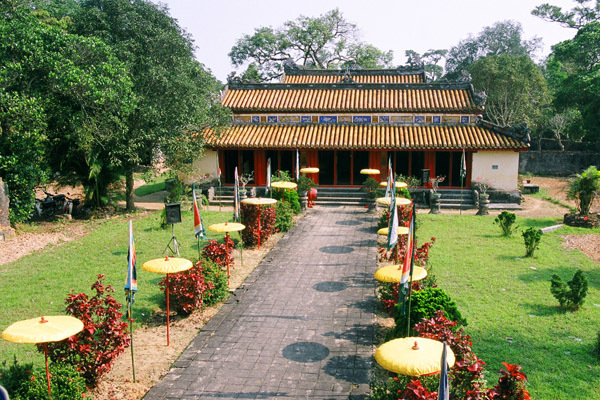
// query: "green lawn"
[[155, 185], [37, 284], [506, 299]]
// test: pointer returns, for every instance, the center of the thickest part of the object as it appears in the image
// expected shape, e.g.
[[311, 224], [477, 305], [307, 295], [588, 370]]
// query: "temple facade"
[[344, 121]]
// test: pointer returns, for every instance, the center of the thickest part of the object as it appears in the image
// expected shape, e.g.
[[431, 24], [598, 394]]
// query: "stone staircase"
[[451, 199]]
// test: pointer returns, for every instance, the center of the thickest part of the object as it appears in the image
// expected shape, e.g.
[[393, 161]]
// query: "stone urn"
[[484, 204], [304, 200], [435, 203]]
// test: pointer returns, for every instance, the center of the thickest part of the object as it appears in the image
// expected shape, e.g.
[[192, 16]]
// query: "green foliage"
[[506, 221], [584, 188], [392, 387], [218, 277], [576, 18], [305, 184], [285, 216], [281, 176], [570, 295], [174, 188], [23, 382], [531, 237], [323, 42], [429, 60], [290, 196], [424, 304], [371, 187]]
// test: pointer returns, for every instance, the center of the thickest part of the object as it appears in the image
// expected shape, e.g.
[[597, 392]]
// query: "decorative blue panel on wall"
[[255, 119], [328, 119], [385, 119], [419, 119], [272, 118], [361, 119], [306, 118], [464, 120], [437, 119]]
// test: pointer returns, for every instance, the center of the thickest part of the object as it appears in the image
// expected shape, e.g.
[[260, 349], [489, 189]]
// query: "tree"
[[515, 87], [327, 41], [576, 18], [176, 96], [565, 125], [503, 37], [576, 72], [429, 60]]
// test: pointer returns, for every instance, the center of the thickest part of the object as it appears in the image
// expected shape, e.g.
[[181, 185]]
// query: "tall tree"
[[576, 18], [516, 89], [327, 41], [175, 94], [505, 37], [429, 60]]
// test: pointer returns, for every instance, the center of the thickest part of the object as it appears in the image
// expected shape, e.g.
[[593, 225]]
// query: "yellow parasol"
[[402, 230], [167, 266], [412, 356], [43, 330], [399, 185], [228, 227], [258, 201], [309, 170], [284, 185], [401, 201], [393, 274], [369, 171]]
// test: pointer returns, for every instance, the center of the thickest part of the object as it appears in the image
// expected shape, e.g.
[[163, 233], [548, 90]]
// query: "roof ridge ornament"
[[479, 98], [465, 76], [290, 66], [347, 76]]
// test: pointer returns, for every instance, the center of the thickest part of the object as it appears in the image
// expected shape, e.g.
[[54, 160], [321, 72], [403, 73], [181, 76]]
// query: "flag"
[[269, 174], [388, 187], [410, 242], [131, 282], [444, 388], [392, 238], [198, 227], [218, 167], [297, 165], [463, 165], [236, 197]]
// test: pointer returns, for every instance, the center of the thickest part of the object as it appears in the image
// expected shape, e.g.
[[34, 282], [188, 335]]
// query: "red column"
[[260, 168]]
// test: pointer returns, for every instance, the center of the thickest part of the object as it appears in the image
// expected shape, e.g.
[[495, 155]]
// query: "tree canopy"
[[325, 42], [576, 18]]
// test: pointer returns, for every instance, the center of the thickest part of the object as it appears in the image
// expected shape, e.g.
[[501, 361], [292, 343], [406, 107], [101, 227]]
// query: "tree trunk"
[[129, 189]]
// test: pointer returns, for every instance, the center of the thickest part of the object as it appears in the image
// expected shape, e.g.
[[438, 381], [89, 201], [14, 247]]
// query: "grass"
[[506, 299], [543, 194], [37, 284], [155, 185]]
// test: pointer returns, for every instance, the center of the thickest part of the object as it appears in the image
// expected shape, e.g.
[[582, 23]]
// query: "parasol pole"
[[129, 316], [47, 369], [168, 309], [412, 262], [226, 255]]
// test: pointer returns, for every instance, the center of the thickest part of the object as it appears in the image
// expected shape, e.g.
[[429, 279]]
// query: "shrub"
[[403, 217], [187, 288], [217, 252], [250, 215], [305, 184], [584, 188], [570, 295], [371, 187], [506, 220], [406, 387], [23, 382], [532, 238], [219, 289], [424, 304], [290, 196], [511, 385], [285, 218], [103, 338]]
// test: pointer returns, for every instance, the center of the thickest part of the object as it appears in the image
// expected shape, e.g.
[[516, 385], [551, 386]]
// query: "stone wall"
[[557, 163]]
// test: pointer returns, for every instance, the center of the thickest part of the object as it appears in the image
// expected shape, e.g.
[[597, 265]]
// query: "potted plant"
[[584, 188], [435, 197], [305, 184], [484, 198], [246, 178], [371, 188]]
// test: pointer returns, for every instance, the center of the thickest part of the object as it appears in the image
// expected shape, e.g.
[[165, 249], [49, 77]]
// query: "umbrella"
[[393, 274], [43, 330], [284, 185], [259, 202], [412, 356], [167, 266], [402, 230], [227, 227], [398, 184], [401, 201], [369, 171]]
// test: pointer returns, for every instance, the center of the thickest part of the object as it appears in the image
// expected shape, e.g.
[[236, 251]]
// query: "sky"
[[397, 25]]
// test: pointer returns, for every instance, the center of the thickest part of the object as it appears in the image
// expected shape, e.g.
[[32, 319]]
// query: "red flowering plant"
[[187, 288], [104, 336], [217, 252], [416, 391], [511, 385], [250, 214]]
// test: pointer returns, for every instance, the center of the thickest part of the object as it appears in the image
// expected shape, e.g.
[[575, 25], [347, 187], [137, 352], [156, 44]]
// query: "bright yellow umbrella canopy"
[[167, 265], [259, 201], [309, 170], [369, 171], [393, 274], [284, 185], [44, 329], [402, 230], [399, 185], [402, 357], [400, 201], [227, 227]]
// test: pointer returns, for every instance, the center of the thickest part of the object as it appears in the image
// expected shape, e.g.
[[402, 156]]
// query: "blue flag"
[[444, 389]]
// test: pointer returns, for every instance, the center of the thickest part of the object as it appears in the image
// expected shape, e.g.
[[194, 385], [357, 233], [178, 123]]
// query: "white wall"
[[207, 165], [500, 167]]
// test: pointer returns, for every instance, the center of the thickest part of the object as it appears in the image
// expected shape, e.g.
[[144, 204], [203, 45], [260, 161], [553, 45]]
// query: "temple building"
[[342, 121]]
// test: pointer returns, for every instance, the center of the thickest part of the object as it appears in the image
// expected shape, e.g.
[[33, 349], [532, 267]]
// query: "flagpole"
[[131, 333], [461, 195], [412, 261]]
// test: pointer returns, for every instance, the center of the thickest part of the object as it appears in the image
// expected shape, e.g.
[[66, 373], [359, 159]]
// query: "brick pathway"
[[301, 326]]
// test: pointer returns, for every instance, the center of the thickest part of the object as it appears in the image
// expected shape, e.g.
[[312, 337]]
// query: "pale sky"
[[398, 25]]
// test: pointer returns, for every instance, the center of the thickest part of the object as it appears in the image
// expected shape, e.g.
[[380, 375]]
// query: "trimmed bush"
[[572, 294], [290, 196], [187, 288], [217, 252], [506, 222], [250, 215], [531, 237], [284, 217]]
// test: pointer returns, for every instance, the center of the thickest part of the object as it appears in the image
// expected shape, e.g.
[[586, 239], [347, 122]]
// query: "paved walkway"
[[301, 326]]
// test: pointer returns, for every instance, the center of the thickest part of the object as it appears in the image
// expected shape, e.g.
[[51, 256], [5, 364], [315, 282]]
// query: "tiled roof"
[[457, 98], [402, 74], [328, 137], [404, 78]]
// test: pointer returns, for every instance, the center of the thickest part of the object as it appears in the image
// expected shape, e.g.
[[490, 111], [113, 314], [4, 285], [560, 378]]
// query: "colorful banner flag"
[[463, 165], [297, 165], [218, 168], [236, 197], [392, 238], [409, 256], [198, 226], [269, 174], [131, 282], [444, 388], [388, 187]]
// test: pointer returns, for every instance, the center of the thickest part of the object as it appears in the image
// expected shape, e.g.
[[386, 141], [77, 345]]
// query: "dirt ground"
[[153, 358]]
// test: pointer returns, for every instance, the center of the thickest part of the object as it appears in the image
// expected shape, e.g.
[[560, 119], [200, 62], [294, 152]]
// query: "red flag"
[[198, 227], [410, 241]]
